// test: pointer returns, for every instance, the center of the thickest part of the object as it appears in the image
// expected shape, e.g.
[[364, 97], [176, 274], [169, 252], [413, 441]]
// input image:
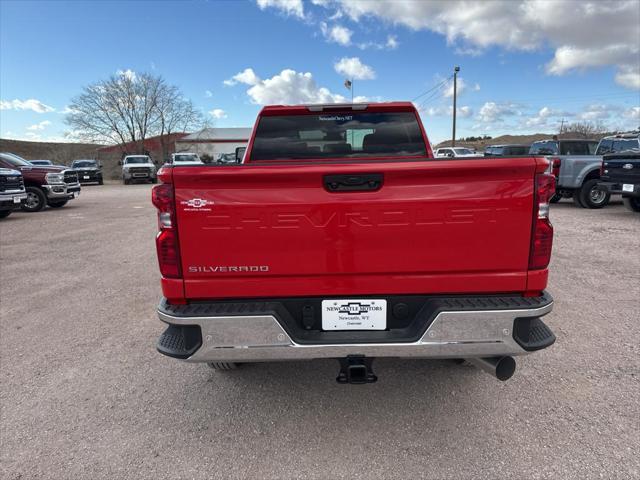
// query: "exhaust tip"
[[505, 368], [502, 368]]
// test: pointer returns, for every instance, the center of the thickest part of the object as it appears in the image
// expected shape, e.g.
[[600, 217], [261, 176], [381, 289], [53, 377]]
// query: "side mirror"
[[119, 162], [450, 155], [240, 154]]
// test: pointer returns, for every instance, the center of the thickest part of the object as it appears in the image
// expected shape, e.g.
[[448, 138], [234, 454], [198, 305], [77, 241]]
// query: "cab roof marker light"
[[337, 106]]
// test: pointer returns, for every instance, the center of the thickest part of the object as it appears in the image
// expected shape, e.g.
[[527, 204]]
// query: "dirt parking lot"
[[85, 395]]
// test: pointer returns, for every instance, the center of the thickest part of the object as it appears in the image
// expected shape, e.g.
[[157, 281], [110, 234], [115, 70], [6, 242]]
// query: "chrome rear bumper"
[[451, 334]]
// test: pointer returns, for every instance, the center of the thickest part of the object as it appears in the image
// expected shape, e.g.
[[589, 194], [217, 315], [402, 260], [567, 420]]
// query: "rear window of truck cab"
[[338, 135]]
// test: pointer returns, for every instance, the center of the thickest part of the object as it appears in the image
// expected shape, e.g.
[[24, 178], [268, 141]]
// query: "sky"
[[525, 67]]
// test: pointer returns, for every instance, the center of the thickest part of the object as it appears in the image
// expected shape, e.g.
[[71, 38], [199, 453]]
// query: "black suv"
[[89, 171]]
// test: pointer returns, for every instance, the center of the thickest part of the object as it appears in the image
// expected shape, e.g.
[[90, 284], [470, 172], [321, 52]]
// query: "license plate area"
[[140, 175], [627, 187], [354, 314]]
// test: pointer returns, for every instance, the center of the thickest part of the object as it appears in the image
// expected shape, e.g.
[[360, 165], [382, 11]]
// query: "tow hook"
[[356, 369]]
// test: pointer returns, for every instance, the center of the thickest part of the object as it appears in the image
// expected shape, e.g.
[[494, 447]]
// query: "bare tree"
[[129, 108], [175, 114], [585, 129]]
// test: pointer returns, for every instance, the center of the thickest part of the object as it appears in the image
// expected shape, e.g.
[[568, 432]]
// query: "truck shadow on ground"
[[268, 396]]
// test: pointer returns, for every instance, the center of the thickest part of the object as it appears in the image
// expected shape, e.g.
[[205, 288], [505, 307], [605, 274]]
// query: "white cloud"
[[290, 7], [128, 74], [597, 112], [579, 32], [30, 104], [290, 87], [354, 68], [218, 113], [629, 76], [492, 112], [337, 34], [247, 76], [208, 94], [392, 42], [632, 113], [39, 126], [461, 87], [464, 111]]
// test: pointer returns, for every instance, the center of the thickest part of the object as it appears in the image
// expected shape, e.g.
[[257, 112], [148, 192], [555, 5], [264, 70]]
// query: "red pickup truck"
[[341, 236]]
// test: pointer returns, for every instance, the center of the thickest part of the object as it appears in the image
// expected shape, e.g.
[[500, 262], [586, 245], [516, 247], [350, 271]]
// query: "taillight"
[[167, 244], [542, 231], [555, 166]]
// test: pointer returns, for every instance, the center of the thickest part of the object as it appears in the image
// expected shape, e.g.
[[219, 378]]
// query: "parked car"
[[52, 185], [226, 158], [506, 150], [621, 174], [184, 158], [455, 152], [619, 143], [12, 192], [138, 167], [577, 170], [89, 171], [316, 256]]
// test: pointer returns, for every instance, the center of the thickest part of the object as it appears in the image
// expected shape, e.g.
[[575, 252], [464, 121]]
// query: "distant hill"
[[59, 153], [479, 145]]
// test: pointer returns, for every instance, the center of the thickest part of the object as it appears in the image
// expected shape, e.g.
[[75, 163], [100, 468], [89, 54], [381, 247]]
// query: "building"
[[212, 142]]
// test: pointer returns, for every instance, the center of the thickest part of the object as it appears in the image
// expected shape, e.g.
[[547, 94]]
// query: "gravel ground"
[[85, 395]]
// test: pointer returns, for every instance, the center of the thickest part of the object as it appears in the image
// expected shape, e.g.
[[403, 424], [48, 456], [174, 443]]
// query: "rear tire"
[[632, 203], [58, 204], [577, 201], [222, 365], [36, 200], [593, 197], [5, 213]]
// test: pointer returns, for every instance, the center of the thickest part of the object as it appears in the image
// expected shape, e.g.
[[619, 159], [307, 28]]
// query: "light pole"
[[455, 94]]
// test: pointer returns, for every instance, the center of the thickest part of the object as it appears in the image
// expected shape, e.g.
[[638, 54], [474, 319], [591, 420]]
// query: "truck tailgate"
[[435, 226]]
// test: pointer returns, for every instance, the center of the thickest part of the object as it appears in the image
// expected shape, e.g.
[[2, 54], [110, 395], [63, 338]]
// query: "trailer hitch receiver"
[[356, 369]]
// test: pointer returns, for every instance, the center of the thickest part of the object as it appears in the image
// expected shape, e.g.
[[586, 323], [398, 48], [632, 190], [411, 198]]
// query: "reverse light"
[[542, 231], [167, 245]]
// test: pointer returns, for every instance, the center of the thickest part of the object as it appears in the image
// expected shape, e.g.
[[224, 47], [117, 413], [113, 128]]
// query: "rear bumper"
[[467, 332], [617, 188]]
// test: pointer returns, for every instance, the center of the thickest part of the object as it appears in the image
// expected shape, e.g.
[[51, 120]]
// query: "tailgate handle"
[[362, 182]]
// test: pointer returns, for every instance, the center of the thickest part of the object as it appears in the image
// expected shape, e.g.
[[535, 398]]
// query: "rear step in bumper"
[[259, 338]]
